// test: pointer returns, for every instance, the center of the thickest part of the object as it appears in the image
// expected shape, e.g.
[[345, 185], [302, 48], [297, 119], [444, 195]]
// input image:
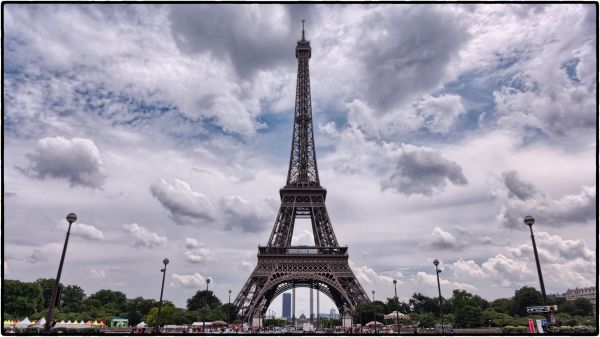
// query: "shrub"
[[566, 329], [580, 329], [516, 329]]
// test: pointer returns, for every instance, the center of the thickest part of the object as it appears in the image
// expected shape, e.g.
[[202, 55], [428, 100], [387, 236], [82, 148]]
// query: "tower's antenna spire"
[[303, 29]]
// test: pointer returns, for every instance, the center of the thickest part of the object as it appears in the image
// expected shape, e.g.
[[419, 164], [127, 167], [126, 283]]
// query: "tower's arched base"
[[281, 268]]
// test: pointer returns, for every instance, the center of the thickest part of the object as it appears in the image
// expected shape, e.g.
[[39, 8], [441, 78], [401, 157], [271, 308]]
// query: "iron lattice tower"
[[280, 265]]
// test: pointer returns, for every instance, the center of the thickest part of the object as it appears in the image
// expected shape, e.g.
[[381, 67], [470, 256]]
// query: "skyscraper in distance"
[[286, 310]]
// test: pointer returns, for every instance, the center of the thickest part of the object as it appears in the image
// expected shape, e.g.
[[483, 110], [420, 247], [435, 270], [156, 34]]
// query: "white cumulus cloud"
[[88, 232], [143, 237], [567, 210], [77, 160], [189, 281], [186, 206]]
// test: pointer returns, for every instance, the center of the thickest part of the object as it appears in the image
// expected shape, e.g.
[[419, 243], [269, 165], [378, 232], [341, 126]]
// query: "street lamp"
[[228, 308], [206, 306], [162, 287], [374, 314], [397, 308], [437, 272], [529, 221], [71, 217]]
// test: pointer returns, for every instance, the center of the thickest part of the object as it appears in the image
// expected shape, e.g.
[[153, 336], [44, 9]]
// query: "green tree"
[[47, 284], [420, 303], [495, 318], [114, 300], [217, 314], [202, 298], [583, 307], [190, 317], [468, 316], [449, 319], [525, 297], [393, 304], [21, 299], [502, 305], [72, 297], [204, 314], [562, 317], [558, 300], [229, 310], [90, 304], [369, 311], [138, 308], [168, 314], [461, 298], [426, 320]]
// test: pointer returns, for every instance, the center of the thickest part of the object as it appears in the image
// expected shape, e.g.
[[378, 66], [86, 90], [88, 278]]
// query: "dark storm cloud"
[[251, 37], [517, 187], [423, 172], [407, 50], [76, 160]]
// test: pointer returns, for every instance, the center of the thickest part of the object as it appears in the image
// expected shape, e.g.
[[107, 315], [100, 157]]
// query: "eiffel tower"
[[281, 266]]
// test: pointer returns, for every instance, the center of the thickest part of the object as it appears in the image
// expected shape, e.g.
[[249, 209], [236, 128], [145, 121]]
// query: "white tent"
[[41, 322], [200, 324], [81, 324], [23, 324], [141, 325], [394, 314]]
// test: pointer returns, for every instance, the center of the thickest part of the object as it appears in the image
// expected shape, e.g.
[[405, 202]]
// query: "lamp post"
[[206, 306], [374, 314], [228, 308], [397, 308], [437, 272], [71, 217], [529, 221], [162, 287]]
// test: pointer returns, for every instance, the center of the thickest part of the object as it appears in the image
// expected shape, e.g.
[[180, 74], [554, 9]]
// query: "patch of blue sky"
[[534, 135], [185, 131], [274, 141], [117, 107], [476, 89], [570, 68]]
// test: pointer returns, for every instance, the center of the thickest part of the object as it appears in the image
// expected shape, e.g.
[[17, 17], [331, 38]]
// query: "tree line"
[[466, 310], [462, 309], [31, 299]]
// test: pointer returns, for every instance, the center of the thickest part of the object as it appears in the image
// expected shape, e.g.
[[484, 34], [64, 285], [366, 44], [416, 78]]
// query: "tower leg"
[[311, 306], [318, 320], [294, 307]]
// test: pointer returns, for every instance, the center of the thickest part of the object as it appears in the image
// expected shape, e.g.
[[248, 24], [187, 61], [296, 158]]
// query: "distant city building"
[[331, 315], [301, 320], [587, 293], [286, 310]]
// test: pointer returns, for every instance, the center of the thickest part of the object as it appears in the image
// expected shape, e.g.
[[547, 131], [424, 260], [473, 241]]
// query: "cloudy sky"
[[167, 129]]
